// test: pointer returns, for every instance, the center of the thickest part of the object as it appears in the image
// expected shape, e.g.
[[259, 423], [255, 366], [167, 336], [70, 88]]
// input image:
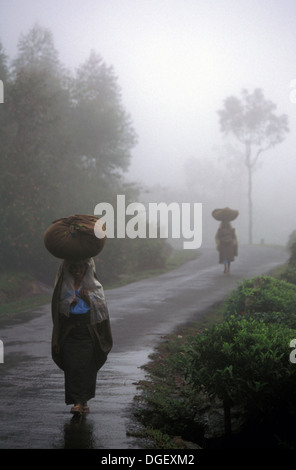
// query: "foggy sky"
[[176, 61]]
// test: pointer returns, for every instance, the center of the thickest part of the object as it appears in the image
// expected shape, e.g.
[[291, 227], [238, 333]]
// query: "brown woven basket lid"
[[225, 215], [73, 237]]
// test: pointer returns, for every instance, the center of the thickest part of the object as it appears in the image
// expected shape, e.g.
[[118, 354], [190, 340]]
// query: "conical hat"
[[225, 215]]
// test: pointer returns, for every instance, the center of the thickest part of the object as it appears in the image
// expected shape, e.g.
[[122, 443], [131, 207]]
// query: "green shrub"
[[289, 274], [292, 259], [245, 362], [169, 402], [263, 297]]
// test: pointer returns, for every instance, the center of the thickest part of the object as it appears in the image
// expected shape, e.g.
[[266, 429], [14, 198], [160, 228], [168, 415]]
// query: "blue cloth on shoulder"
[[81, 306]]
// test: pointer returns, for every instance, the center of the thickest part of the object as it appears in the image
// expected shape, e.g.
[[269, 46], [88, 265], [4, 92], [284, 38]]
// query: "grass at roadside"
[[19, 291], [24, 305], [177, 259]]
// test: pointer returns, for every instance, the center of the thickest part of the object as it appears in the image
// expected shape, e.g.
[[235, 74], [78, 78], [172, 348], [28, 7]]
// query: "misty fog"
[[176, 62]]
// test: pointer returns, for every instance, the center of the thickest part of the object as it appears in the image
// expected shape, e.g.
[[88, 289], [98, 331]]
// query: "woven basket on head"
[[74, 238], [225, 215]]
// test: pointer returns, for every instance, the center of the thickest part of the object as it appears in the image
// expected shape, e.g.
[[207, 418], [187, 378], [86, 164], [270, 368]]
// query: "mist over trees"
[[66, 141]]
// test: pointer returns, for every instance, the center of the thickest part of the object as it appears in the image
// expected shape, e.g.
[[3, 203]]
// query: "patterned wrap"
[[98, 306]]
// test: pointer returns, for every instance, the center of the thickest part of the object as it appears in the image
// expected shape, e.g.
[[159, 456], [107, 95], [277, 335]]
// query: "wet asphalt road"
[[33, 413]]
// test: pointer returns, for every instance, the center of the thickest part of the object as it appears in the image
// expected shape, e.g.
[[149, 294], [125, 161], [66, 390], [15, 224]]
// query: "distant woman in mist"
[[227, 245]]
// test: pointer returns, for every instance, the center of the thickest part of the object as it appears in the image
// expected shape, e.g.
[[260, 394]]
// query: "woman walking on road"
[[226, 240], [226, 243], [81, 337]]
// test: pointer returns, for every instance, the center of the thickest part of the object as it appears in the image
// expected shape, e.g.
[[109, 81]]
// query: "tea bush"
[[263, 297], [289, 274], [169, 402], [245, 362]]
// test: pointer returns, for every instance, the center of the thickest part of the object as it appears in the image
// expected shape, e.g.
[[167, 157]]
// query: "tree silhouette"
[[65, 141], [253, 123]]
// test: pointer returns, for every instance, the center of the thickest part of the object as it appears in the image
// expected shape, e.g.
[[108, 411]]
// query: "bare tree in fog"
[[253, 123]]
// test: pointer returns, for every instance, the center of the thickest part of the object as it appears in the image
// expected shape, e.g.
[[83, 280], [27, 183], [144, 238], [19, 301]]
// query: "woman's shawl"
[[225, 235], [98, 306], [63, 295]]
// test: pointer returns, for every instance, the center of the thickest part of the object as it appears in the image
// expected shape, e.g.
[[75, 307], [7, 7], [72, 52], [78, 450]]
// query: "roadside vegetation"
[[227, 380], [20, 291]]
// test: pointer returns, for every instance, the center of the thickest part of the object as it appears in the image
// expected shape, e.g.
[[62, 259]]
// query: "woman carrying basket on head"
[[81, 336], [226, 239]]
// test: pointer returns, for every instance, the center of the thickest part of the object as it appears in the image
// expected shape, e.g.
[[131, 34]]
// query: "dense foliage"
[[264, 297], [243, 360]]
